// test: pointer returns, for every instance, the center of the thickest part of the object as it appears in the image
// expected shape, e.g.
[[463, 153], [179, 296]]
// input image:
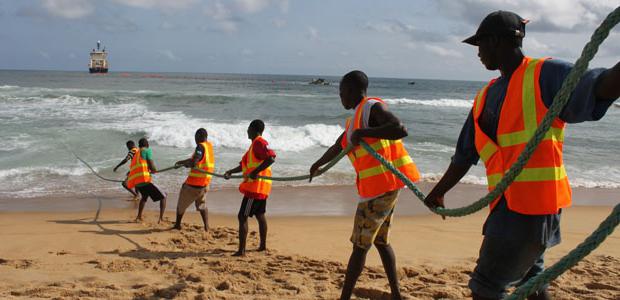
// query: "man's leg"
[[185, 198], [242, 216], [243, 234], [177, 222], [503, 262], [162, 208], [537, 268], [354, 269], [201, 207], [204, 213], [389, 264], [141, 206], [371, 225], [385, 209], [262, 228], [124, 184]]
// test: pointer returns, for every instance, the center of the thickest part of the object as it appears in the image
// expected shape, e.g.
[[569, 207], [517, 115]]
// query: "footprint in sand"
[[17, 263]]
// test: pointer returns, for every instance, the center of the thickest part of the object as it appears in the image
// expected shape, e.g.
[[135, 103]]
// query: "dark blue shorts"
[[504, 262]]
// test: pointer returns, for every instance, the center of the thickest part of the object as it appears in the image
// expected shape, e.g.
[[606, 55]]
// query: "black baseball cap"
[[499, 23]]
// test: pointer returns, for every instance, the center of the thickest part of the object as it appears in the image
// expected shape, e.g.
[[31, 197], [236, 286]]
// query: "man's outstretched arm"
[[330, 154]]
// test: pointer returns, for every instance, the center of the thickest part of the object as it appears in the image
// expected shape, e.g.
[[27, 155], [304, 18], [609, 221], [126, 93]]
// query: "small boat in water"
[[319, 81], [98, 60]]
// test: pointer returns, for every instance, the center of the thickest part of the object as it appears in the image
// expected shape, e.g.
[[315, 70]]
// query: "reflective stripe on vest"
[[206, 163], [373, 179], [138, 170], [249, 162], [542, 187]]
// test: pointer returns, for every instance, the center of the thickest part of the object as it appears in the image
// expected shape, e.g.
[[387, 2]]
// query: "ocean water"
[[44, 113]]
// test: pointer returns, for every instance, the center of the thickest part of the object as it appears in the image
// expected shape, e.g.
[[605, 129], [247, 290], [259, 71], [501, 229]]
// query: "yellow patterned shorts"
[[372, 220]]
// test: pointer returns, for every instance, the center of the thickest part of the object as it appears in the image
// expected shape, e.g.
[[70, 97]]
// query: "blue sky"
[[405, 38]]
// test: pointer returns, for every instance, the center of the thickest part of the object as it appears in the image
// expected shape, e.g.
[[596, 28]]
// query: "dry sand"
[[67, 255]]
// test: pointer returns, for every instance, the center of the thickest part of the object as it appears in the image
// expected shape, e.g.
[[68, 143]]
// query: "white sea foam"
[[468, 179], [431, 147], [43, 171], [16, 142], [8, 87], [433, 102], [177, 130]]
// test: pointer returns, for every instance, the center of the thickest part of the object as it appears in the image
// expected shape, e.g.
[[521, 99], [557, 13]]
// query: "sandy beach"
[[71, 255]]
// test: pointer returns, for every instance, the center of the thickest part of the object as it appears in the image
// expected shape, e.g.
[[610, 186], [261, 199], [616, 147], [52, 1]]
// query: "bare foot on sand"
[[239, 253]]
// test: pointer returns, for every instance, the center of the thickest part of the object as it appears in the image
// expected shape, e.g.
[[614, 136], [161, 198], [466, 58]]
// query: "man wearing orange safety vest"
[[525, 220], [140, 170], [377, 187], [195, 188], [255, 162]]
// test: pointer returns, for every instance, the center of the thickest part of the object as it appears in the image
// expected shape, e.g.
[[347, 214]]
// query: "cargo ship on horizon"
[[98, 60]]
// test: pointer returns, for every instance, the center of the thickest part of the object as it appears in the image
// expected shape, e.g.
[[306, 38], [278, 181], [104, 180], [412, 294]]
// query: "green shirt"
[[146, 153]]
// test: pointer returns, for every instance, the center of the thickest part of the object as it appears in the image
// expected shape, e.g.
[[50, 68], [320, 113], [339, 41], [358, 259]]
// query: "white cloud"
[[165, 25], [158, 4], [545, 16], [279, 23], [69, 9], [247, 52], [398, 27], [229, 14], [254, 6], [222, 15], [389, 27], [535, 45], [169, 55], [44, 54], [313, 33], [443, 52]]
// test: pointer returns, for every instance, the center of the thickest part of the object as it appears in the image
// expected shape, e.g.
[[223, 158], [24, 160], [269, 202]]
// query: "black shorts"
[[251, 207], [151, 190]]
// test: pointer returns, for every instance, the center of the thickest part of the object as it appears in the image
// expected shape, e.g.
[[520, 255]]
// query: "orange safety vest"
[[249, 162], [373, 178], [138, 170], [207, 163], [542, 187]]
